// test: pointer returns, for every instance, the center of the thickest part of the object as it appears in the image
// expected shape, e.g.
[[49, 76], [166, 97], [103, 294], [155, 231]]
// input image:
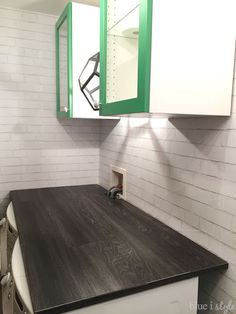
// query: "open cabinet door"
[[125, 56]]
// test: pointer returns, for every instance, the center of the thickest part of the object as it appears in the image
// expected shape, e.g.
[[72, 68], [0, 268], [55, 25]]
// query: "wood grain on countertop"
[[80, 247]]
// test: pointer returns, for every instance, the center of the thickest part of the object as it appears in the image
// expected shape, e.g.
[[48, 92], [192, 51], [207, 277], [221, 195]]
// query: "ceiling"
[[54, 7]]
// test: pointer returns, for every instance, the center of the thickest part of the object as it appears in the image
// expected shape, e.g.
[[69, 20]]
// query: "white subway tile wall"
[[36, 149], [183, 172]]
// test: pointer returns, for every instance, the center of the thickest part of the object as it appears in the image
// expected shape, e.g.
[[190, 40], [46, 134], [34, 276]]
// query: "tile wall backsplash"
[[36, 149], [183, 172]]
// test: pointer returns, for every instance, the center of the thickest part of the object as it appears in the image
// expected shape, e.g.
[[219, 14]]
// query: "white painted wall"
[[183, 172], [36, 149]]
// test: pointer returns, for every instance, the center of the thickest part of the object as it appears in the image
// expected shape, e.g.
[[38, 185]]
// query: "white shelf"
[[125, 25]]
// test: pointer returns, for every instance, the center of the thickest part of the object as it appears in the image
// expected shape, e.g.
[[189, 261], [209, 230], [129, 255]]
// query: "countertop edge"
[[129, 291]]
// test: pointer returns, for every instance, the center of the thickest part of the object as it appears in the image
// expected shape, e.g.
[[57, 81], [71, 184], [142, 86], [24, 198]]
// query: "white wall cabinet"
[[193, 44], [167, 56]]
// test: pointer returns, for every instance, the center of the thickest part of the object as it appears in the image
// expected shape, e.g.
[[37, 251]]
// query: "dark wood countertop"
[[79, 248]]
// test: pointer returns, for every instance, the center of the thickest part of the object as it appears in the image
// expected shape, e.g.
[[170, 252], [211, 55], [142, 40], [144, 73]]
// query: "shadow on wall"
[[206, 303], [184, 150], [206, 141], [79, 133], [210, 140], [139, 134], [201, 138], [133, 144], [202, 130]]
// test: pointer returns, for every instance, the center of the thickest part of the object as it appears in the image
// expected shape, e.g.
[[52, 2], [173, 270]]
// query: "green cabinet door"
[[125, 56], [64, 63]]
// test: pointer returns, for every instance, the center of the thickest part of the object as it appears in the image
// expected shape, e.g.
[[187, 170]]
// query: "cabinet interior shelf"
[[127, 25]]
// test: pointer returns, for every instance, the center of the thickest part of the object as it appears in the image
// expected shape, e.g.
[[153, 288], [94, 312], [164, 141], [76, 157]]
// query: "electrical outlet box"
[[118, 176]]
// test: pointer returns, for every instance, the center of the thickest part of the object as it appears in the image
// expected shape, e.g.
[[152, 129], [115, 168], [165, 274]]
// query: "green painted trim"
[[70, 61], [66, 14], [57, 70], [141, 103], [103, 53], [145, 51], [62, 114]]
